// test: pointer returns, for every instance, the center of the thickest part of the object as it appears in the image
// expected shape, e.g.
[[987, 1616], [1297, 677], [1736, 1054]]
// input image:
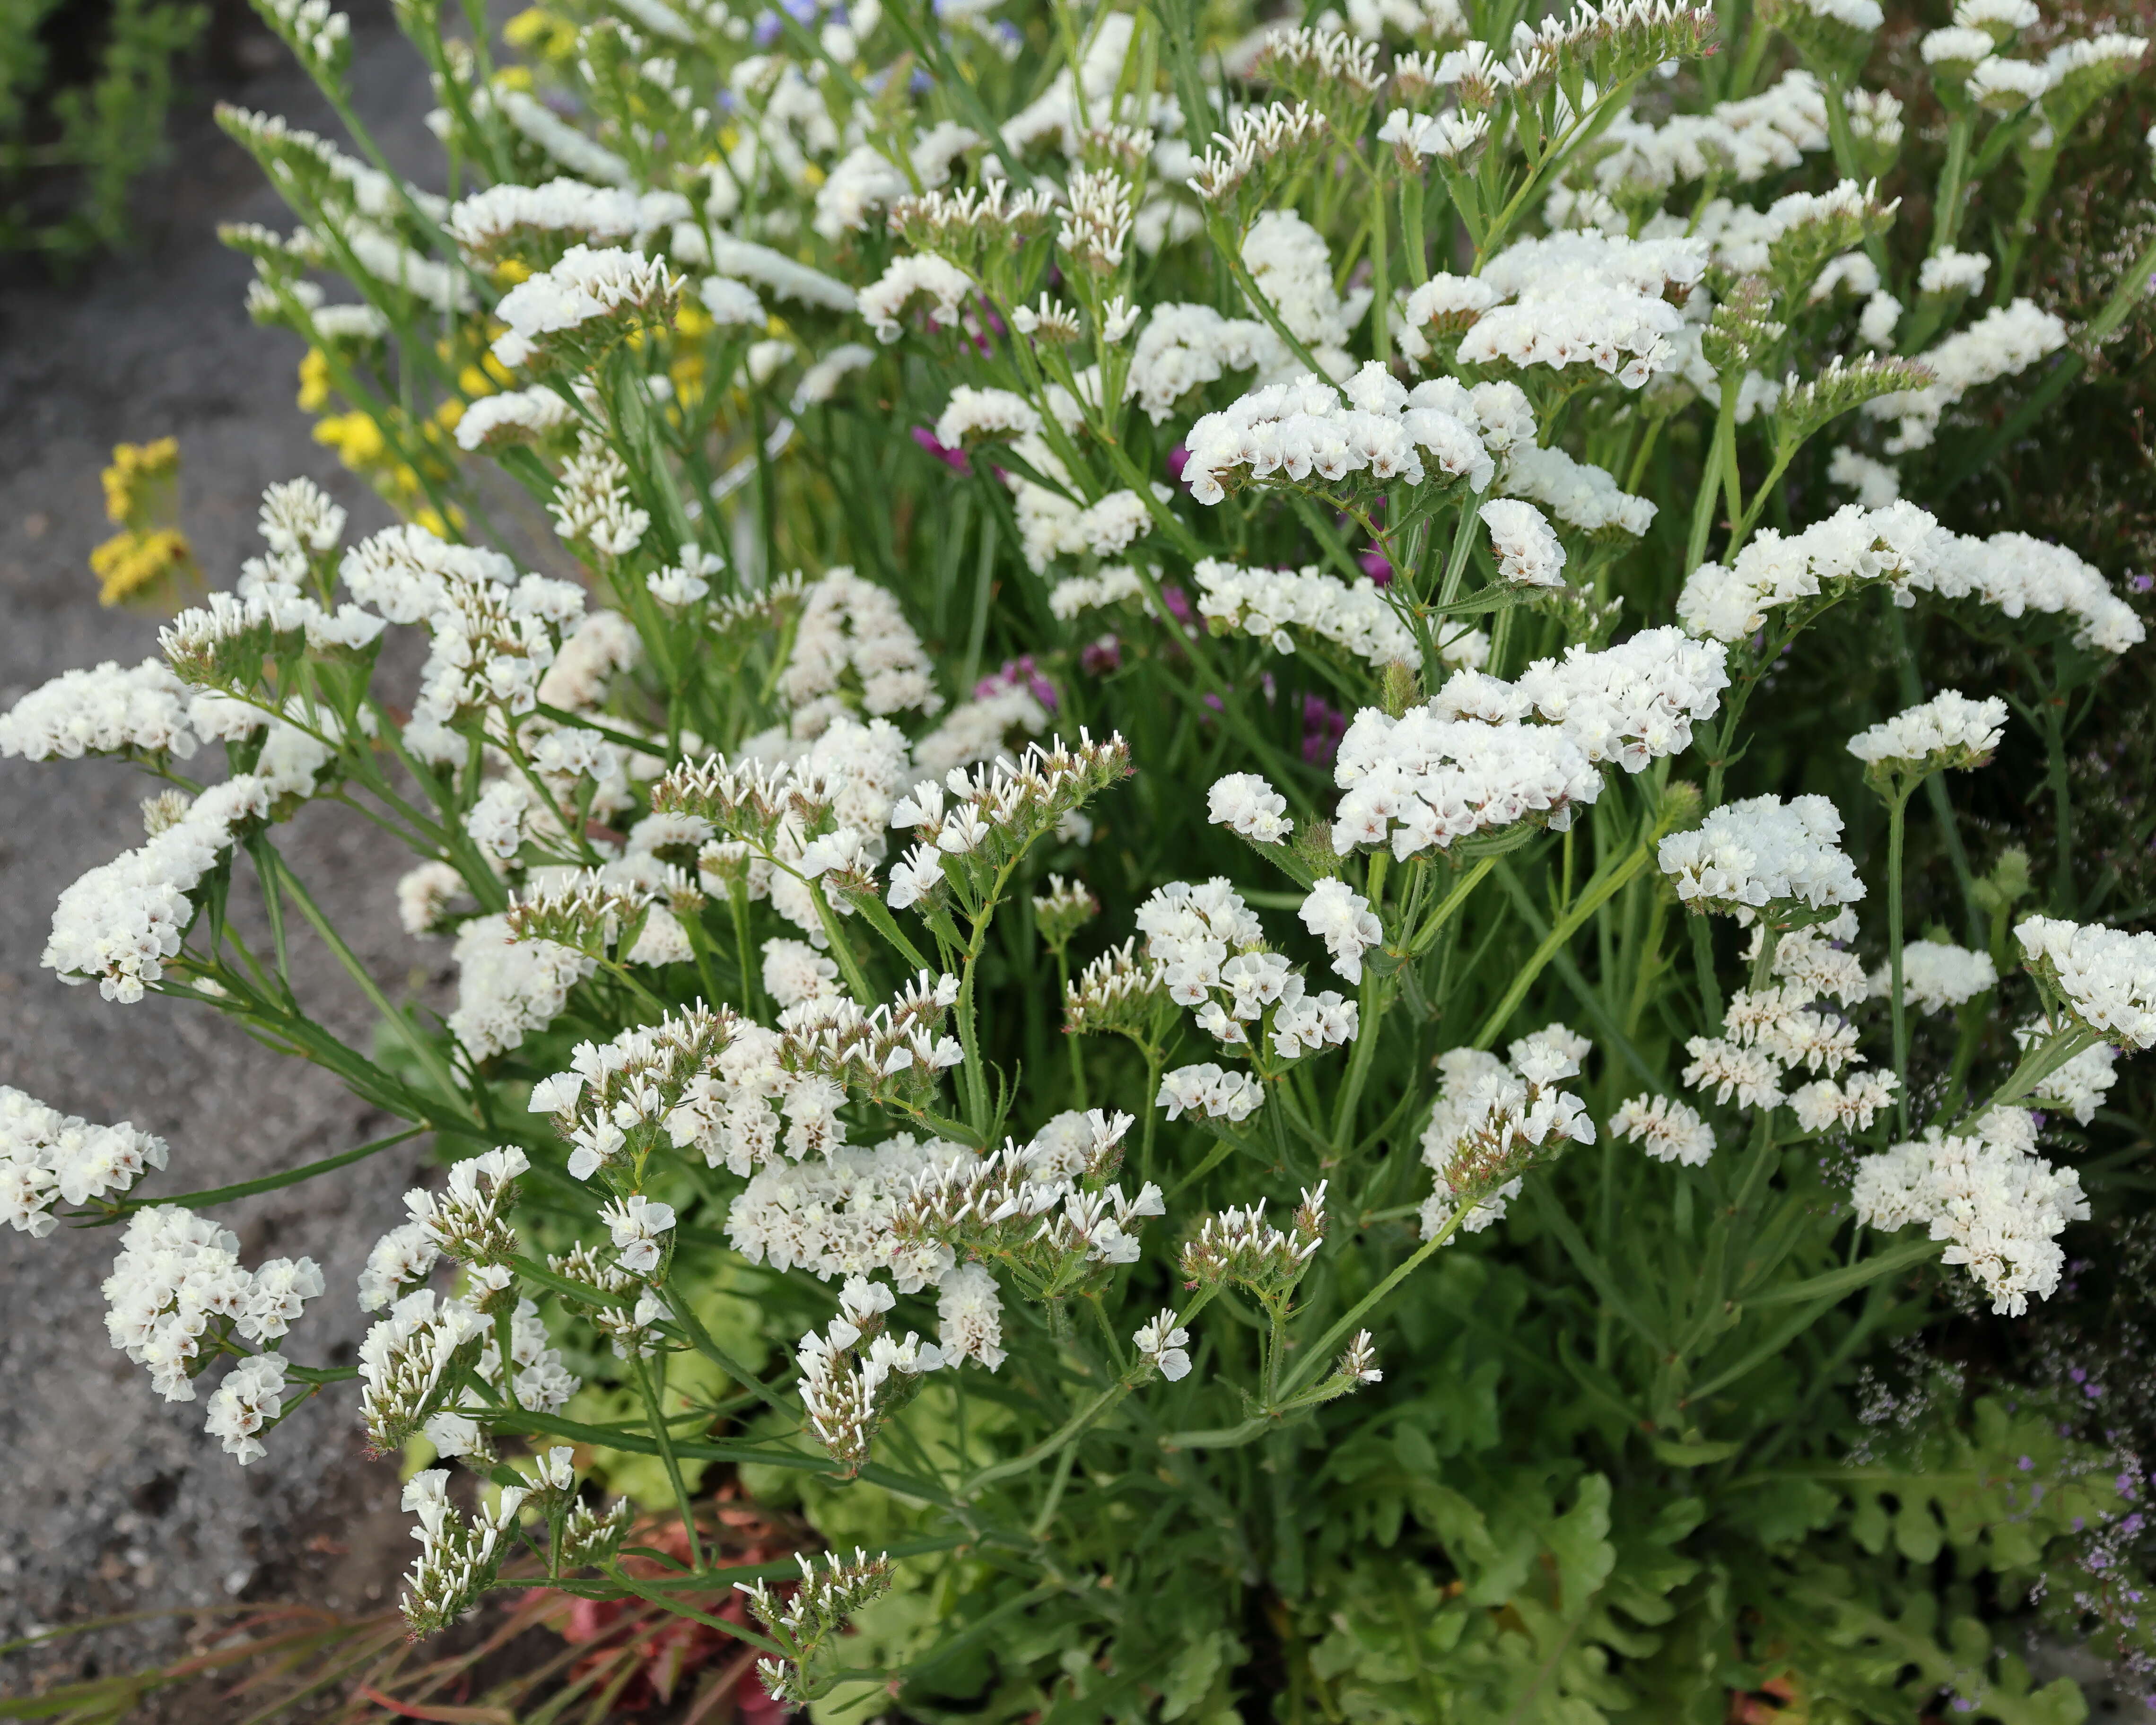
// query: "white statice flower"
[[1369, 425], [1526, 545], [1208, 1089], [853, 633], [558, 138], [399, 1261], [1633, 703], [2077, 1088], [1577, 493], [1493, 1119], [178, 1276], [1668, 1130], [637, 1223], [1956, 50], [1937, 976], [513, 416], [1949, 730], [2005, 340], [1165, 1345], [1589, 298], [1851, 1102], [1951, 272], [1288, 260], [2106, 976], [1427, 779], [1183, 347], [884, 303], [1763, 852], [832, 1216], [1876, 484], [1114, 584], [1853, 547], [107, 711], [588, 295], [1999, 1209], [490, 223], [120, 923], [46, 1156], [594, 502], [250, 1397], [426, 896], [2021, 576], [1343, 920], [1274, 605], [1729, 1069], [969, 1308], [1247, 805], [508, 988]]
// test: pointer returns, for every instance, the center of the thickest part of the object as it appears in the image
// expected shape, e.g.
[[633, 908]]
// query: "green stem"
[[1897, 807], [1599, 891]]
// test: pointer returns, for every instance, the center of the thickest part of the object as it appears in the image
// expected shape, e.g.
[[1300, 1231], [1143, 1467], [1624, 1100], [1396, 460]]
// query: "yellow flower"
[[314, 381], [356, 437], [515, 78], [447, 415], [509, 271], [131, 565], [138, 469], [546, 35], [692, 321]]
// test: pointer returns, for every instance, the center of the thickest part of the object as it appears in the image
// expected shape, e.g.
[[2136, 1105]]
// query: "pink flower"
[[955, 459]]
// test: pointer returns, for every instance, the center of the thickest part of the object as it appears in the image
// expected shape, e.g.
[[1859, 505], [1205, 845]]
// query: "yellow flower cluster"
[[150, 555]]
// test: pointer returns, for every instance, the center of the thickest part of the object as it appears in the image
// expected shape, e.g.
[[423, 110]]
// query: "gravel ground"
[[120, 1503]]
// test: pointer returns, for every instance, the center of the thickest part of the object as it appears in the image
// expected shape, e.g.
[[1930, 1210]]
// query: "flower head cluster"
[[1764, 856], [179, 1295], [2106, 976], [1853, 547], [813, 1613], [1668, 1130], [1947, 731], [1999, 1208], [140, 712], [1938, 975], [459, 1559], [1578, 298], [48, 1157], [1273, 605], [855, 1374], [587, 302], [1241, 1248], [1297, 430], [1493, 1118], [469, 1221]]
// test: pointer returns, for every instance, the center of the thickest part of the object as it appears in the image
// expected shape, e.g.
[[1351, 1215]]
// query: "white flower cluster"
[[1183, 347], [2006, 340], [105, 712], [1668, 1130], [1947, 731], [1570, 299], [457, 1558], [488, 223], [2107, 975], [1577, 493], [607, 286], [846, 1393], [1342, 919], [853, 634], [1937, 975], [2020, 575], [1268, 603], [1632, 704], [1763, 852], [1298, 429], [1206, 1087], [1427, 779], [1999, 1208], [46, 1156], [1854, 546], [119, 922], [1247, 806], [1770, 1032], [508, 988], [179, 1295], [1210, 954], [1525, 544], [1165, 1345], [1739, 141], [832, 1216], [1493, 1117]]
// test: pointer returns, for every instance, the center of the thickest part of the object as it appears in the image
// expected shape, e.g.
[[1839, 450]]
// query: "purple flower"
[[2141, 583], [2027, 1464], [955, 459], [1179, 605], [1377, 565], [1019, 673], [1178, 457], [1096, 658], [1323, 726]]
